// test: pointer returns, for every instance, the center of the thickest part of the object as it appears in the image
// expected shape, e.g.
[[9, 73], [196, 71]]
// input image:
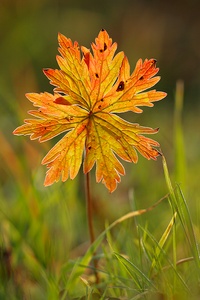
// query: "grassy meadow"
[[148, 231]]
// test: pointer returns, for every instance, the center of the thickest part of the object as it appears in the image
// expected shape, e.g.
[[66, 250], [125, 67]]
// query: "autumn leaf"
[[89, 89]]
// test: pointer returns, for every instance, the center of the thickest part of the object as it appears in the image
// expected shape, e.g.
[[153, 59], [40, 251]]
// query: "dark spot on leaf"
[[89, 148], [102, 29], [154, 61], [102, 100], [120, 86], [99, 107], [141, 78], [104, 48], [61, 100], [71, 118], [97, 76]]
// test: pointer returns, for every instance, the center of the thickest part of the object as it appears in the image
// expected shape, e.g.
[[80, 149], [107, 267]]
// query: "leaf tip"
[[15, 131], [154, 61]]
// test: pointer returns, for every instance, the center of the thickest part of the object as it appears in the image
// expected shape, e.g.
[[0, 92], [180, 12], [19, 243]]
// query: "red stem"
[[89, 209], [90, 222]]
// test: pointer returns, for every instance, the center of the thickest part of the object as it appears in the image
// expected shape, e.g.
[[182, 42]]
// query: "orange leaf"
[[89, 89]]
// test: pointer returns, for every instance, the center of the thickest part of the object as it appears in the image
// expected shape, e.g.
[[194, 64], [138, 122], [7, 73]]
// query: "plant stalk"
[[89, 209], [90, 220]]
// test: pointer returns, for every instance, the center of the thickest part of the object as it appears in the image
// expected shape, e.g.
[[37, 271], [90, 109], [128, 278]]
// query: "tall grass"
[[45, 253]]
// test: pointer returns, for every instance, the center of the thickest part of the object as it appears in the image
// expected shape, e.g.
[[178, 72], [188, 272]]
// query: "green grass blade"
[[187, 225], [140, 279], [160, 270], [163, 240], [179, 205], [85, 260]]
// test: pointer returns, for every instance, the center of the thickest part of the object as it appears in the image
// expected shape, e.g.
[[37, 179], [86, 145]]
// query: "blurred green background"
[[165, 30]]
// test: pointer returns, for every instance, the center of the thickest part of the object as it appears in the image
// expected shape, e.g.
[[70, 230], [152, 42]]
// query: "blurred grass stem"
[[180, 163]]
